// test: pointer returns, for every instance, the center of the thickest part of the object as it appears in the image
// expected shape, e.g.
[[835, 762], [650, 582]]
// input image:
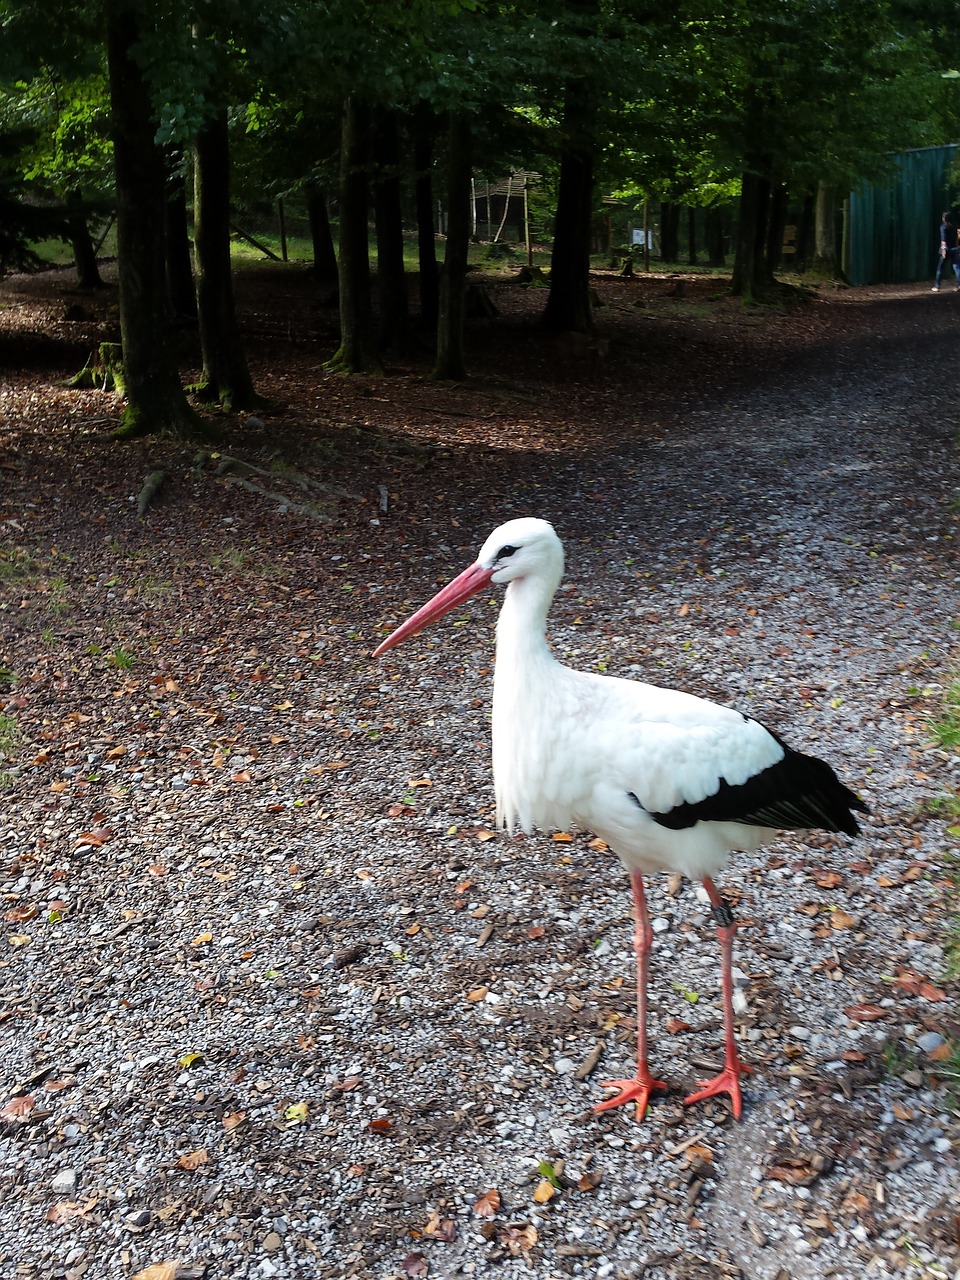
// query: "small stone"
[[929, 1041], [913, 1078], [800, 1033], [65, 1182], [139, 1218], [271, 1242], [660, 924], [563, 1066]]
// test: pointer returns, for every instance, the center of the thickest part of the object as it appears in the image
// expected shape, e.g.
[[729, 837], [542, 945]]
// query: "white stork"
[[670, 781]]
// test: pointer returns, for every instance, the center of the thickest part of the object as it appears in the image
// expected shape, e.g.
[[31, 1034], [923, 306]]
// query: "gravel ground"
[[276, 1003]]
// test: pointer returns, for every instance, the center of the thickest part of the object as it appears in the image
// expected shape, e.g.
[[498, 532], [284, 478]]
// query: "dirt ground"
[[276, 1000]]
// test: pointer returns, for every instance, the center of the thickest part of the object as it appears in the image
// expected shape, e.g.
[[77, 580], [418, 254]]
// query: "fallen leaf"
[[189, 1060], [477, 994], [828, 879], [95, 839], [192, 1160], [590, 1180], [158, 1271], [20, 915], [799, 1171], [201, 939], [17, 1107], [414, 1264], [241, 776], [676, 1025], [487, 1205], [233, 1119], [544, 1191], [536, 931], [484, 834], [562, 837], [864, 1012], [930, 992], [380, 1125], [297, 1112], [519, 1240], [841, 920]]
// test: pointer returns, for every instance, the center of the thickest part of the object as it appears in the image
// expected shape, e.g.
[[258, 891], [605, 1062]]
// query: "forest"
[[160, 122]]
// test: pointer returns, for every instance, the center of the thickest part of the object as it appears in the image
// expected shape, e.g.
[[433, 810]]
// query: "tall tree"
[[154, 397], [226, 379], [453, 280], [568, 302], [357, 352]]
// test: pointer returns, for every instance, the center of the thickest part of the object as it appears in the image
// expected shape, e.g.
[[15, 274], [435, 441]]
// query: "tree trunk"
[[391, 280], [692, 237], [155, 399], [226, 378], [825, 259], [84, 254], [714, 237], [750, 276], [423, 130], [357, 351], [568, 303], [805, 233], [324, 253], [179, 268], [453, 281], [669, 232], [777, 220]]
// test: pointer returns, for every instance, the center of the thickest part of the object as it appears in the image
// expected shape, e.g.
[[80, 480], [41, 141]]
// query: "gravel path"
[[277, 1004]]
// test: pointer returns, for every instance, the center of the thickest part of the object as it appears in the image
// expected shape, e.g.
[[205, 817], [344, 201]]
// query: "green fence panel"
[[892, 231]]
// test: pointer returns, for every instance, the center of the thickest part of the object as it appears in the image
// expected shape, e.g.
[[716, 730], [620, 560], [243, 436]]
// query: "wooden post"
[[489, 212], [646, 235]]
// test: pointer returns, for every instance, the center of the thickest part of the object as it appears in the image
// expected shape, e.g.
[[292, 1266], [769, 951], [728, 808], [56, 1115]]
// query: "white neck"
[[522, 625]]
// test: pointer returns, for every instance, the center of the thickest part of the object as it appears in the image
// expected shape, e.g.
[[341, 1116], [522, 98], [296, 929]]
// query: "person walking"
[[949, 251]]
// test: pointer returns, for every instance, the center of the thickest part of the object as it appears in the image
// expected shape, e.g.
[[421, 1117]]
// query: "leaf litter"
[[776, 532]]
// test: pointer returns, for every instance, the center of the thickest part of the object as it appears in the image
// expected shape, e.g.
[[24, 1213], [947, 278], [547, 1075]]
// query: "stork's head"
[[523, 548], [520, 549]]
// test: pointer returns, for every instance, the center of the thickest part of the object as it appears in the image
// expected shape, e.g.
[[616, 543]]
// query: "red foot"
[[728, 1081], [637, 1090]]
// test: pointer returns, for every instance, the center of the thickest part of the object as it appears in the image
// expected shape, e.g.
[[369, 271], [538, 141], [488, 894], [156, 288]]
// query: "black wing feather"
[[797, 793]]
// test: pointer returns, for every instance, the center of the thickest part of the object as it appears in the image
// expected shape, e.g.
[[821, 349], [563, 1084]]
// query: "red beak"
[[463, 586]]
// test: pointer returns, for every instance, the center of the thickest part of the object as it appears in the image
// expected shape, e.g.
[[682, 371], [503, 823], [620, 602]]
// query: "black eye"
[[505, 553]]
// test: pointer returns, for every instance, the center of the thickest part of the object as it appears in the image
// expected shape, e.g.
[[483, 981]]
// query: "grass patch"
[[9, 741], [946, 729]]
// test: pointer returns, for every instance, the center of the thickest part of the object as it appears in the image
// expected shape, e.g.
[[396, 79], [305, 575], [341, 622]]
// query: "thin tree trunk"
[[568, 303], [825, 258], [750, 276], [423, 130], [84, 254], [357, 351], [226, 378], [714, 237], [155, 399], [805, 232], [692, 237], [391, 279], [453, 281], [776, 221], [179, 268], [669, 231], [324, 253]]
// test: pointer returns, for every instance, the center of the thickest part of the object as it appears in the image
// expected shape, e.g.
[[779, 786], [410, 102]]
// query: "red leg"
[[728, 1081], [639, 1088]]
